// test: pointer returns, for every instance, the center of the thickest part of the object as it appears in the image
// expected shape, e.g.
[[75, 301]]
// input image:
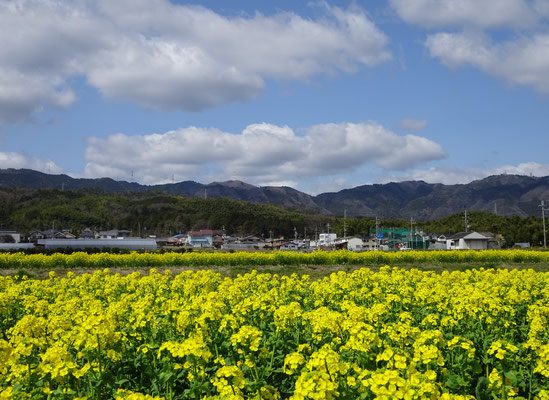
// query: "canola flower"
[[391, 334], [210, 258]]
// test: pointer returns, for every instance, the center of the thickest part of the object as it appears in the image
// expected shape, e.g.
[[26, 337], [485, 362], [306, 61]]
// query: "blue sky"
[[316, 95]]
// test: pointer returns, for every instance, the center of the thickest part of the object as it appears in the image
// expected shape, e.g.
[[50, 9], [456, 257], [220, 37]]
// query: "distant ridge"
[[508, 194]]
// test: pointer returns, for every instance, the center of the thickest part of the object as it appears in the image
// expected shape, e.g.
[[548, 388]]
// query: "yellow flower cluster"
[[211, 258], [391, 334]]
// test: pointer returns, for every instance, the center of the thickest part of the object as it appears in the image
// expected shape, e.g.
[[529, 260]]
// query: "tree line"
[[161, 214]]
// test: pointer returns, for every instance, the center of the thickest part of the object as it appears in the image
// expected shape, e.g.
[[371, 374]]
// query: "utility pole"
[[543, 209], [377, 232], [411, 232], [466, 219], [345, 223]]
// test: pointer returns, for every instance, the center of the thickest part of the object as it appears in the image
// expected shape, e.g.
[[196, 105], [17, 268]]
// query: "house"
[[35, 236], [250, 239], [114, 234], [255, 241], [10, 236], [494, 242], [88, 234], [370, 242], [64, 234], [177, 239], [326, 239], [289, 246], [217, 238], [201, 239], [467, 241], [49, 233], [353, 243]]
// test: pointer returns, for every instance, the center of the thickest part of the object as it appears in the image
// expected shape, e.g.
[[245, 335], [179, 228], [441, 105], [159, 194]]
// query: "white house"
[[467, 241], [326, 239], [353, 243]]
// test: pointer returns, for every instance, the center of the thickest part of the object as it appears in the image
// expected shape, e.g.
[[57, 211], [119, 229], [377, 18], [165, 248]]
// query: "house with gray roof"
[[468, 241]]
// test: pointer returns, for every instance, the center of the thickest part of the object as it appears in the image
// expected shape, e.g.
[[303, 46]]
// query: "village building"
[[467, 241], [200, 239]]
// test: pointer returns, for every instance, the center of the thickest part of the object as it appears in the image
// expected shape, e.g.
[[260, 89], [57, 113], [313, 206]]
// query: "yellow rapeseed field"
[[211, 258], [392, 334]]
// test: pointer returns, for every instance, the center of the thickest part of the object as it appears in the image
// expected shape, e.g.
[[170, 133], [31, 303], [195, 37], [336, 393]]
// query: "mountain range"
[[502, 194]]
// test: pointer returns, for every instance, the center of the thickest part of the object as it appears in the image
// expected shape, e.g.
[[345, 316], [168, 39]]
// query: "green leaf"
[[452, 380], [482, 391]]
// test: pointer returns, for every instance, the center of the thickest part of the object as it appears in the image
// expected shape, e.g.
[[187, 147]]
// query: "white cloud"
[[410, 124], [18, 160], [476, 13], [261, 154], [169, 56], [527, 168], [524, 61], [21, 95], [450, 175]]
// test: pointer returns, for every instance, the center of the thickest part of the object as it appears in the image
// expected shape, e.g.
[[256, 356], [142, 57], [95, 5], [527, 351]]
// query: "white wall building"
[[326, 239], [467, 241]]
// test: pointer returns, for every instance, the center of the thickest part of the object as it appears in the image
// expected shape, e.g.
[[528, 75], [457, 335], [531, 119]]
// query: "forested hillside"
[[507, 195], [164, 214], [149, 212]]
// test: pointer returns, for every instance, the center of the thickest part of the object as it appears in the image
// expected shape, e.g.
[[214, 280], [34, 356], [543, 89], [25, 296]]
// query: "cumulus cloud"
[[261, 153], [18, 160], [21, 95], [523, 61], [410, 124], [477, 13], [167, 56]]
